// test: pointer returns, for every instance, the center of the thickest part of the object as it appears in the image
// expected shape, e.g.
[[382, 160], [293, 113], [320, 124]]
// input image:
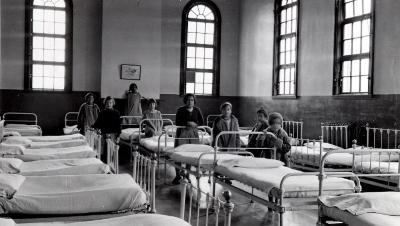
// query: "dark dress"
[[183, 116], [281, 143], [109, 123], [228, 140], [87, 116], [259, 127]]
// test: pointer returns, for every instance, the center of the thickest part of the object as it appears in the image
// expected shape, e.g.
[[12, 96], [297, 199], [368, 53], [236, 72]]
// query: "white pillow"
[[171, 130], [253, 163], [9, 184], [11, 149], [325, 146], [18, 141], [11, 134], [194, 148], [10, 165], [6, 222], [294, 141]]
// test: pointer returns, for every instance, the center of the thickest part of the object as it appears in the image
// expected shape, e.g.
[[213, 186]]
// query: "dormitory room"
[[199, 112]]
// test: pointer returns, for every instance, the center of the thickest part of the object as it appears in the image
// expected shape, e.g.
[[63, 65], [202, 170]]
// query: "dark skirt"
[[192, 135]]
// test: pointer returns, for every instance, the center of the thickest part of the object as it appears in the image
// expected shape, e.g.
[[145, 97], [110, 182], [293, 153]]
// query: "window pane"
[[37, 70], [38, 2], [191, 62], [199, 52], [283, 28], [189, 87], [357, 29], [37, 82], [358, 9], [199, 88], [48, 55], [49, 43], [210, 28], [355, 68], [349, 10], [37, 42], [60, 16], [283, 15], [208, 78], [364, 84], [199, 77], [59, 28], [201, 27], [208, 64], [38, 14], [347, 47], [48, 71], [366, 29], [367, 6], [355, 84], [365, 44], [199, 63], [209, 39], [59, 83], [356, 46], [200, 38], [208, 89], [364, 66], [59, 56], [347, 33], [37, 54], [48, 83], [59, 71], [48, 28], [209, 53], [346, 84], [346, 69], [49, 15], [191, 52], [192, 26], [37, 27], [191, 38]]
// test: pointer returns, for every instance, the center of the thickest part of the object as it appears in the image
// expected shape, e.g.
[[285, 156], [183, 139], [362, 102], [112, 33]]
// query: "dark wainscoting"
[[381, 110], [50, 107]]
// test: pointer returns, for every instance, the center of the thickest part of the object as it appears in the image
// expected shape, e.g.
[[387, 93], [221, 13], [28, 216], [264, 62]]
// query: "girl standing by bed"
[[133, 106], [226, 122], [276, 137], [153, 127], [88, 113], [108, 123], [261, 125], [190, 117]]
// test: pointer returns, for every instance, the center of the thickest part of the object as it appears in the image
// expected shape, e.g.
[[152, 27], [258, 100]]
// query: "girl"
[[261, 125], [275, 137], [226, 122], [134, 106], [88, 113], [190, 117], [153, 127], [108, 121]]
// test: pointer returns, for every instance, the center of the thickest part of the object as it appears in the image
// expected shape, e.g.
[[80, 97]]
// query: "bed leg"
[[153, 184], [281, 218], [228, 208], [198, 198], [184, 183]]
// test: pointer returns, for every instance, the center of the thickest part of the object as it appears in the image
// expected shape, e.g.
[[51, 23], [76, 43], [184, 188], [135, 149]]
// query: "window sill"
[[283, 97], [353, 96]]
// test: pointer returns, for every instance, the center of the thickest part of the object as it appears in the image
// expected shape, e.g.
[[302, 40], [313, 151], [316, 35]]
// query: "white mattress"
[[58, 144], [151, 144], [56, 138], [66, 195], [192, 158], [130, 134], [368, 219], [268, 179], [64, 167], [131, 220], [79, 152]]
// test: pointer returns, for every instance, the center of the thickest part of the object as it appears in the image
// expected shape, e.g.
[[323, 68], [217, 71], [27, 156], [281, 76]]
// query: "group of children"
[[188, 117]]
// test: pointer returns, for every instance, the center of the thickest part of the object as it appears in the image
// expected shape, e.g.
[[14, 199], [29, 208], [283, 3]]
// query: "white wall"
[[149, 34], [316, 48], [86, 44]]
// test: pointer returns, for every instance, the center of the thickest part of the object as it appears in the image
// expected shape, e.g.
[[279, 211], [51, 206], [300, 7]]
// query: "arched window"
[[49, 45], [200, 49], [286, 36], [354, 47]]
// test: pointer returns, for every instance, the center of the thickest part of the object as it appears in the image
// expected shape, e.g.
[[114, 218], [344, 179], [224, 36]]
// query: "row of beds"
[[334, 170], [60, 180], [321, 173]]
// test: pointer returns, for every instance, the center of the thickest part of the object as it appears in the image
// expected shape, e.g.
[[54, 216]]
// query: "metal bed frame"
[[336, 133], [71, 117], [94, 140], [322, 219], [277, 198], [18, 118], [112, 155], [293, 128]]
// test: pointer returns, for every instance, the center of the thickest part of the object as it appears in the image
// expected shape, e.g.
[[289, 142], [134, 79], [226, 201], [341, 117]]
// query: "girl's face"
[[153, 106], [109, 104], [261, 117], [276, 124], [226, 111], [135, 89], [190, 102], [90, 100]]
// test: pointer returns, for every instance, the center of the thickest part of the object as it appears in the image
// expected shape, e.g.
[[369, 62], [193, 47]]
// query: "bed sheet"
[[79, 152], [64, 167], [25, 131], [68, 195], [58, 144], [192, 158], [151, 144], [295, 187], [56, 138], [130, 134]]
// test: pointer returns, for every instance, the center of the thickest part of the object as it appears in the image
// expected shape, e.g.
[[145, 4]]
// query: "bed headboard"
[[383, 138], [71, 117], [342, 133], [293, 128], [20, 118]]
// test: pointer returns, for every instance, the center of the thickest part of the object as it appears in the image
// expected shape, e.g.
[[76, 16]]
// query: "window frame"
[[338, 49], [276, 49], [217, 46], [29, 46]]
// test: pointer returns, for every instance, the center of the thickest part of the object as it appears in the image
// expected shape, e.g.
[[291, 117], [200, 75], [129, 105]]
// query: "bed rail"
[[214, 207], [144, 174], [293, 128], [130, 121], [382, 138], [71, 117], [20, 118], [94, 140], [306, 155], [172, 117], [112, 154], [337, 134]]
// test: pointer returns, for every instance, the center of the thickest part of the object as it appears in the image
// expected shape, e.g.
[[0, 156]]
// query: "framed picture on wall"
[[131, 71]]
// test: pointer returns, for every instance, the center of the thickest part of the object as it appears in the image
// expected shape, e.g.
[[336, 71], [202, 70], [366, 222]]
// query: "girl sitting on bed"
[[88, 113], [261, 125], [153, 127], [226, 122], [275, 137]]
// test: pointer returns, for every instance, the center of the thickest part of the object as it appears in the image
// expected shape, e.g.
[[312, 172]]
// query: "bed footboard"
[[112, 155]]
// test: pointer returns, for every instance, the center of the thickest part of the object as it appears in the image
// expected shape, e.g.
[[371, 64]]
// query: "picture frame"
[[130, 71]]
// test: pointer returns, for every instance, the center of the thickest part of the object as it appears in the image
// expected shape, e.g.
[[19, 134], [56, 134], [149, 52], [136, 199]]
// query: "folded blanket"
[[59, 144], [387, 203], [10, 149], [10, 184], [10, 165]]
